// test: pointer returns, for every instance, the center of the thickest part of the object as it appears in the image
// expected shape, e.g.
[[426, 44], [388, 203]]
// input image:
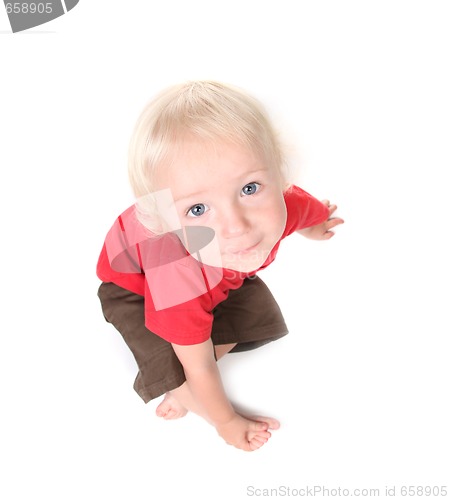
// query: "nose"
[[235, 222]]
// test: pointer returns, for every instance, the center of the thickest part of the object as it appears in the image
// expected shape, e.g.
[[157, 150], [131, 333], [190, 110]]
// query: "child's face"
[[229, 190]]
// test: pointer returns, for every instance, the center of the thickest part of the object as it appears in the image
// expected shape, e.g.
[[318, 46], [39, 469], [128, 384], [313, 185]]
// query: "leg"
[[221, 350], [179, 401], [159, 369]]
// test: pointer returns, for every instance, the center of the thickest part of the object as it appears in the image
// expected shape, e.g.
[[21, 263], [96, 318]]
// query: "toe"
[[271, 422]]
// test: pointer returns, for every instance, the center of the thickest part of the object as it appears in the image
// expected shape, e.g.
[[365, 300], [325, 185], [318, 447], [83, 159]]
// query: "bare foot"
[[170, 408], [258, 438], [271, 422]]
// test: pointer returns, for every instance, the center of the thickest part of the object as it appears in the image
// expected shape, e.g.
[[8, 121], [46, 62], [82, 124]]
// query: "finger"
[[330, 223], [332, 209], [325, 202]]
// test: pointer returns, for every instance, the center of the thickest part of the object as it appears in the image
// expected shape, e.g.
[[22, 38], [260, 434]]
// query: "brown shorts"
[[249, 317]]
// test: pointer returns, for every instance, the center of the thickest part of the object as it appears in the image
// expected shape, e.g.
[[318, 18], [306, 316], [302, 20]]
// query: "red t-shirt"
[[180, 292]]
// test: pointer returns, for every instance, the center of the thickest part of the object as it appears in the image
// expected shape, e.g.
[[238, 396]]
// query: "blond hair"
[[208, 111]]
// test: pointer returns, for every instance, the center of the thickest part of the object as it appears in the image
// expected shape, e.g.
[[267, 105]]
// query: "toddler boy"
[[179, 267]]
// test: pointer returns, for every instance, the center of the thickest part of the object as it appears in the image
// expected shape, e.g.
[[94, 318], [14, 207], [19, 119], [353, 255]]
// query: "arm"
[[323, 231], [204, 381], [206, 388]]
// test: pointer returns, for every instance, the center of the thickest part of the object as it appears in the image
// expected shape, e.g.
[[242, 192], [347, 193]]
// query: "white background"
[[360, 89]]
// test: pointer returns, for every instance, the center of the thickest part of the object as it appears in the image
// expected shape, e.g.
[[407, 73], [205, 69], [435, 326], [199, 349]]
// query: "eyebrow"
[[200, 193]]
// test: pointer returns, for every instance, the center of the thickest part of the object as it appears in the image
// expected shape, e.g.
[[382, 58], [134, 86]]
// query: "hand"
[[245, 433], [323, 231]]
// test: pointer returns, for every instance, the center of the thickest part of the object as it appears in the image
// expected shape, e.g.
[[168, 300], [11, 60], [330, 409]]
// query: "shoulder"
[[303, 209], [294, 194]]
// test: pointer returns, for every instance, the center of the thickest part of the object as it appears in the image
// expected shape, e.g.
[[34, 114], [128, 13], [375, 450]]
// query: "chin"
[[244, 266]]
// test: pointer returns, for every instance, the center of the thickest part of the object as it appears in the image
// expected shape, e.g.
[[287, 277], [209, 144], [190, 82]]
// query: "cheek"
[[276, 217], [282, 214]]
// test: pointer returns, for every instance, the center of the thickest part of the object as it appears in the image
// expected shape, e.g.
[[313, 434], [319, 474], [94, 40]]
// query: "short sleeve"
[[303, 210], [179, 300]]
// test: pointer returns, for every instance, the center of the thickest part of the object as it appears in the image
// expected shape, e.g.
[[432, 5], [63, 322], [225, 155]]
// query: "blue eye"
[[197, 210], [251, 188]]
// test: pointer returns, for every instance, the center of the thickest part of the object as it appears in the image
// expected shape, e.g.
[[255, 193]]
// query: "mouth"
[[245, 251]]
